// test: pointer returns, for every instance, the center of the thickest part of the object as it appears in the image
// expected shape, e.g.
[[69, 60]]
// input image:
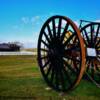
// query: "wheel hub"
[[56, 51]]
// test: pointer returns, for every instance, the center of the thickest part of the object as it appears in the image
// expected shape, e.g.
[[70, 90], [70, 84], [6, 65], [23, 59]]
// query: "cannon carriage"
[[66, 53], [91, 35]]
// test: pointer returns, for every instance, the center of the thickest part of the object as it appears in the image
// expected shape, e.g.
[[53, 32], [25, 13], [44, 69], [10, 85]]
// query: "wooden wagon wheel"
[[91, 35], [56, 54]]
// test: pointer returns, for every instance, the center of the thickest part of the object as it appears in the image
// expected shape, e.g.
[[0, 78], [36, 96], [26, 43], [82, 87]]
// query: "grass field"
[[31, 49], [20, 79]]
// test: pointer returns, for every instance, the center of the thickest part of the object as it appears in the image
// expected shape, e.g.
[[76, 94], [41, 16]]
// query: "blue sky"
[[21, 20]]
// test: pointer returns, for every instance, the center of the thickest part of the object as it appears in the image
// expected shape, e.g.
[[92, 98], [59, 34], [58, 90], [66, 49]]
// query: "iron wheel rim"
[[60, 83]]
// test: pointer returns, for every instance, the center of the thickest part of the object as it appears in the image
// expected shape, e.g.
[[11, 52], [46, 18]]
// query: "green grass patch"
[[20, 78]]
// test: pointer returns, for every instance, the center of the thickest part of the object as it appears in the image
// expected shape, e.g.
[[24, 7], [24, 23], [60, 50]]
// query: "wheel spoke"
[[52, 75], [98, 57], [49, 69], [47, 37], [59, 27], [54, 27], [44, 57], [56, 79], [46, 64], [92, 31], [49, 30], [62, 79], [96, 66], [67, 76], [69, 66], [84, 39], [98, 42], [98, 47], [64, 32], [72, 58], [88, 65], [86, 36], [44, 50], [61, 74], [73, 48], [45, 43], [92, 70], [97, 32], [68, 40]]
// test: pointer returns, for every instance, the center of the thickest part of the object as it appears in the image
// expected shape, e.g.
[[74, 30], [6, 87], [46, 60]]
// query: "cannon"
[[64, 52]]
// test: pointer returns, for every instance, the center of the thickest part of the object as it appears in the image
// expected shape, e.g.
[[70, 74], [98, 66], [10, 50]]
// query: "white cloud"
[[77, 23], [98, 20], [25, 20], [35, 19]]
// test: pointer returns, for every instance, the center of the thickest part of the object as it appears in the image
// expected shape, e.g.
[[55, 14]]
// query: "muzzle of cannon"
[[66, 53]]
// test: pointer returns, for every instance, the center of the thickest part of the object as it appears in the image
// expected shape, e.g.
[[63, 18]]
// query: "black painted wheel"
[[91, 35], [60, 47]]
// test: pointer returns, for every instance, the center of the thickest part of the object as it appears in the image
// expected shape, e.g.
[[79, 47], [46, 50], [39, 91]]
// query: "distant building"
[[9, 47]]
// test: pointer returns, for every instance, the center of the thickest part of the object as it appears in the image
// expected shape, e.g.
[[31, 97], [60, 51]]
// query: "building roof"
[[4, 46]]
